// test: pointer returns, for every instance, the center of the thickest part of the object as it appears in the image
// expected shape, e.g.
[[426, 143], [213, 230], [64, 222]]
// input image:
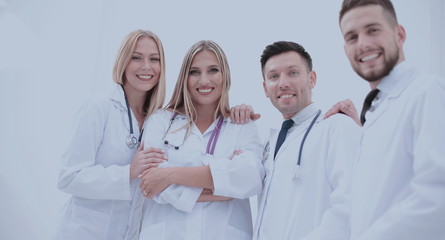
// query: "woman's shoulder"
[[249, 126]]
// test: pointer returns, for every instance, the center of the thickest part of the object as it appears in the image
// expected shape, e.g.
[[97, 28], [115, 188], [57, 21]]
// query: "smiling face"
[[205, 80], [143, 69], [372, 44], [288, 82]]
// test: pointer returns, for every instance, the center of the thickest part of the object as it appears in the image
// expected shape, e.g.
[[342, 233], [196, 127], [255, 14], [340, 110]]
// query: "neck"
[[136, 100], [374, 84], [289, 115], [204, 118]]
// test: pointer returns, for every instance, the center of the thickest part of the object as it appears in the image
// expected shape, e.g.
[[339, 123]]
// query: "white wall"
[[55, 54]]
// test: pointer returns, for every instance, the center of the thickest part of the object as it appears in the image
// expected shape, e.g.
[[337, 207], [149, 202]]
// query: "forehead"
[[205, 57], [361, 17], [284, 60], [146, 44]]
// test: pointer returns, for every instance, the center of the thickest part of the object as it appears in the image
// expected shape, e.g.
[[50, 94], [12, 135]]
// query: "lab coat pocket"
[[155, 231], [86, 224]]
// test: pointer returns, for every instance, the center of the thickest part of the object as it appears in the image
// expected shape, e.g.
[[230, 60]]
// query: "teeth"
[[370, 57], [145, 77], [205, 90], [286, 96]]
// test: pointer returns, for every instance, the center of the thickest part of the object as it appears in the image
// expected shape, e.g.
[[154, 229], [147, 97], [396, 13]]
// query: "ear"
[[312, 79], [265, 89], [401, 35]]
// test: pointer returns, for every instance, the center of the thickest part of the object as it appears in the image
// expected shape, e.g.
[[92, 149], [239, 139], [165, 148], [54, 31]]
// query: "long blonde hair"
[[156, 95], [181, 101]]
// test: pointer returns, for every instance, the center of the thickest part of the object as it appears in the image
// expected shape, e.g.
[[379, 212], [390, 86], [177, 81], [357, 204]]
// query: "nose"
[[146, 64], [283, 82], [204, 79], [363, 42]]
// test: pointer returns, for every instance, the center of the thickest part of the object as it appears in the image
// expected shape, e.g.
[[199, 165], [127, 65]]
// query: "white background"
[[55, 54]]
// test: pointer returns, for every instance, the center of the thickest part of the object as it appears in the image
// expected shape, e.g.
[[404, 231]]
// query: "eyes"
[[196, 72], [351, 38], [275, 76], [138, 58]]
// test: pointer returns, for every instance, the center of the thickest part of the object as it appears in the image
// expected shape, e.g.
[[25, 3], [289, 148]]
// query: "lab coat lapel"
[[268, 163], [403, 81], [370, 119], [118, 98]]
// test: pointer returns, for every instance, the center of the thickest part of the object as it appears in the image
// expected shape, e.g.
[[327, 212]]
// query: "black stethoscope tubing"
[[305, 136], [132, 141]]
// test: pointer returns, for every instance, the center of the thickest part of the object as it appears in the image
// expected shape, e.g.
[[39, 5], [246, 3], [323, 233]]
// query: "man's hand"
[[241, 114], [345, 107]]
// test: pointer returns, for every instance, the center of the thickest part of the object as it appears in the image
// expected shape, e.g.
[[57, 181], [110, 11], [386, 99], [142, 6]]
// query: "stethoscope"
[[297, 168], [131, 140], [211, 143]]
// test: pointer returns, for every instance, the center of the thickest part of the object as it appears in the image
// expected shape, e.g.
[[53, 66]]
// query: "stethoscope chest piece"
[[296, 173], [132, 141]]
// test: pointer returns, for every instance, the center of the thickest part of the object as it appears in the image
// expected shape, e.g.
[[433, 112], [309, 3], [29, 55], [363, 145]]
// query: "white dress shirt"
[[399, 185], [315, 205], [174, 213], [96, 171]]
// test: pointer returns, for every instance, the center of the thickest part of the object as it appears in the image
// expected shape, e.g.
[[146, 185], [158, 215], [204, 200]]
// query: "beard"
[[377, 74]]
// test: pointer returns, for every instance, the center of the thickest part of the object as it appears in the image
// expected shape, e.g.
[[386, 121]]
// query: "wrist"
[[172, 174]]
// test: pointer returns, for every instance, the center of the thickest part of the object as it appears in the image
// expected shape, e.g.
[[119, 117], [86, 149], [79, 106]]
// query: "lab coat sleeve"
[[80, 175], [180, 197], [240, 177], [344, 138], [421, 213]]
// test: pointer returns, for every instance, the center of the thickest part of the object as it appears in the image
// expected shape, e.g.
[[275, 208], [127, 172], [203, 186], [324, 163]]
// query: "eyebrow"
[[152, 54], [372, 25], [207, 67], [288, 68]]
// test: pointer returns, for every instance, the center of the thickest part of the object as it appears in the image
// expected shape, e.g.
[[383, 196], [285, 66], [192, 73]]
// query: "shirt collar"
[[393, 84], [305, 114]]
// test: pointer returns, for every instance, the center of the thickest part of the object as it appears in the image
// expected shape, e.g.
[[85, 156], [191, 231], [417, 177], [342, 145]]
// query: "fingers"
[[335, 109], [154, 150], [255, 116], [234, 114], [246, 112], [154, 155], [347, 107], [141, 146], [236, 153], [241, 114], [207, 191]]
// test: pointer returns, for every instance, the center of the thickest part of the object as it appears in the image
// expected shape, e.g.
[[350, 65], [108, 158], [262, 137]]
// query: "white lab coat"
[[399, 185], [316, 204], [174, 213], [96, 171]]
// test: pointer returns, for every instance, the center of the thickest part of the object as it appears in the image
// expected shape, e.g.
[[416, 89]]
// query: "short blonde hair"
[[181, 101], [156, 95]]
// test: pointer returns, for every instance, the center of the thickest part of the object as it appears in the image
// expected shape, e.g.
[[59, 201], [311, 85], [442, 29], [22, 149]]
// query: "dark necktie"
[[282, 135], [367, 104]]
